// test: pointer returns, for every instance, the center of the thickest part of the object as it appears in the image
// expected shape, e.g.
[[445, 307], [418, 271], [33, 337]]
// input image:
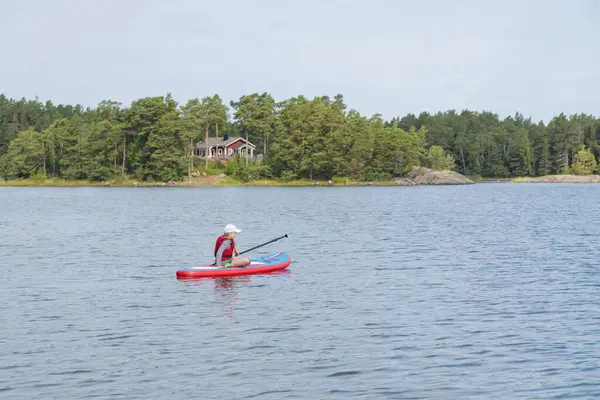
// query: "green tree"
[[167, 146], [204, 113], [192, 118], [3, 166], [288, 147], [521, 154], [301, 138], [561, 142], [140, 122], [26, 155], [437, 159], [75, 160], [255, 116], [584, 162], [359, 131], [217, 114]]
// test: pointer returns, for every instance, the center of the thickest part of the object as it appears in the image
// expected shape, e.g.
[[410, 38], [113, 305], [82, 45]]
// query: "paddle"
[[264, 244], [260, 245]]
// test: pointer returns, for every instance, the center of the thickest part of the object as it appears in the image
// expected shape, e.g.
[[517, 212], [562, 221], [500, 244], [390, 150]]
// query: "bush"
[[232, 166], [438, 160], [236, 168], [38, 176], [266, 171], [376, 176], [241, 174], [141, 174], [213, 168], [584, 162], [498, 171], [102, 173], [169, 174], [287, 175]]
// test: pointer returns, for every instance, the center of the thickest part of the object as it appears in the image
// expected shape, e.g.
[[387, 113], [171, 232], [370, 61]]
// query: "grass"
[[210, 171], [521, 179], [225, 181], [49, 182]]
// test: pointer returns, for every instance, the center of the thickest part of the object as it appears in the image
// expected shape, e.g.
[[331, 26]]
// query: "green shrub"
[[437, 159], [584, 162], [376, 176], [287, 176], [236, 168], [102, 173]]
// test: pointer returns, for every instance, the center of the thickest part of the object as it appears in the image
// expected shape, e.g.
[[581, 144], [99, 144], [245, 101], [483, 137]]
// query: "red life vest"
[[227, 254]]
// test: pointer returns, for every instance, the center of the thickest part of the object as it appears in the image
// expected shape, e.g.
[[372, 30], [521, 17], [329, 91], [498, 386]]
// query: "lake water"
[[486, 291]]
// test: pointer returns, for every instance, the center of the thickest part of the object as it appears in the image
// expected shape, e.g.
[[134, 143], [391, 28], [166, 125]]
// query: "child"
[[226, 251]]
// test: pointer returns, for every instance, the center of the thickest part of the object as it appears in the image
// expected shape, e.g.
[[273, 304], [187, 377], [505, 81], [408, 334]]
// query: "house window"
[[220, 151], [230, 151]]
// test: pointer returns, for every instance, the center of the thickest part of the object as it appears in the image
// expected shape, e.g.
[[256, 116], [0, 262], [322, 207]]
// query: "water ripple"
[[486, 291]]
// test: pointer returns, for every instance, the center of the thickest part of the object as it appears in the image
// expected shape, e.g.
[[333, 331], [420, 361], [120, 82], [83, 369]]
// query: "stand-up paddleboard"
[[259, 265]]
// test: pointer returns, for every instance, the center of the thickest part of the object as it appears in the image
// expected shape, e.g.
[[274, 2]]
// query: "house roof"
[[212, 142]]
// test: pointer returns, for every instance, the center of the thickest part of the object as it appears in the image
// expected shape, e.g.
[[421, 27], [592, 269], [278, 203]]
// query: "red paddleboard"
[[260, 265]]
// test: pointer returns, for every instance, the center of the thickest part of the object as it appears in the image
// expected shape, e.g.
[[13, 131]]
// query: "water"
[[486, 291]]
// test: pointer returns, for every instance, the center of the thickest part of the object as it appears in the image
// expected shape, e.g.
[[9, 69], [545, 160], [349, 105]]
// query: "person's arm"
[[224, 246]]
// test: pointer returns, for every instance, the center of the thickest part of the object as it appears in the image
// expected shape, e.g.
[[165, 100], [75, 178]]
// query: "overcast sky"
[[538, 57]]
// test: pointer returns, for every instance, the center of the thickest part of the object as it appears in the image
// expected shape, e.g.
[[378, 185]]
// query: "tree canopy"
[[320, 138]]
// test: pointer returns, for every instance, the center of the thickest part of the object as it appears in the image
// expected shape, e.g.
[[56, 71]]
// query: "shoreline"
[[559, 179], [228, 182]]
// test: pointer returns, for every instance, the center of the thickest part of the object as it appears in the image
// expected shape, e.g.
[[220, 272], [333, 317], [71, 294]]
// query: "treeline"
[[154, 139], [485, 145]]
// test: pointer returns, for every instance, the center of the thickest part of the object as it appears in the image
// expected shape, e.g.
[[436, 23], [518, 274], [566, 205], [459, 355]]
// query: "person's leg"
[[240, 262]]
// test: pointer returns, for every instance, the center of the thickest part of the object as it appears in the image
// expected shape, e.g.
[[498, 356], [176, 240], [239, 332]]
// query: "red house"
[[225, 147]]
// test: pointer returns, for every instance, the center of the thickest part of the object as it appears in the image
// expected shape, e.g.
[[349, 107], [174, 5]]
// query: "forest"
[[153, 139]]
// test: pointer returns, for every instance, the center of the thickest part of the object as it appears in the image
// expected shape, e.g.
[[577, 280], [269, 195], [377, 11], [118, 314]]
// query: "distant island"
[[297, 141]]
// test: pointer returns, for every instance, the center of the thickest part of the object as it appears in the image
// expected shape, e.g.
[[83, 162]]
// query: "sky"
[[391, 57]]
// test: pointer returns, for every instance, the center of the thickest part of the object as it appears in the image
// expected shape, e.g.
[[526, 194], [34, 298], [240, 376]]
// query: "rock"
[[426, 176], [561, 179], [404, 182]]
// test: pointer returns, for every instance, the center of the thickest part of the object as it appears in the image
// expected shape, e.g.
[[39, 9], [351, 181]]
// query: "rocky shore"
[[417, 176], [426, 176], [560, 179]]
